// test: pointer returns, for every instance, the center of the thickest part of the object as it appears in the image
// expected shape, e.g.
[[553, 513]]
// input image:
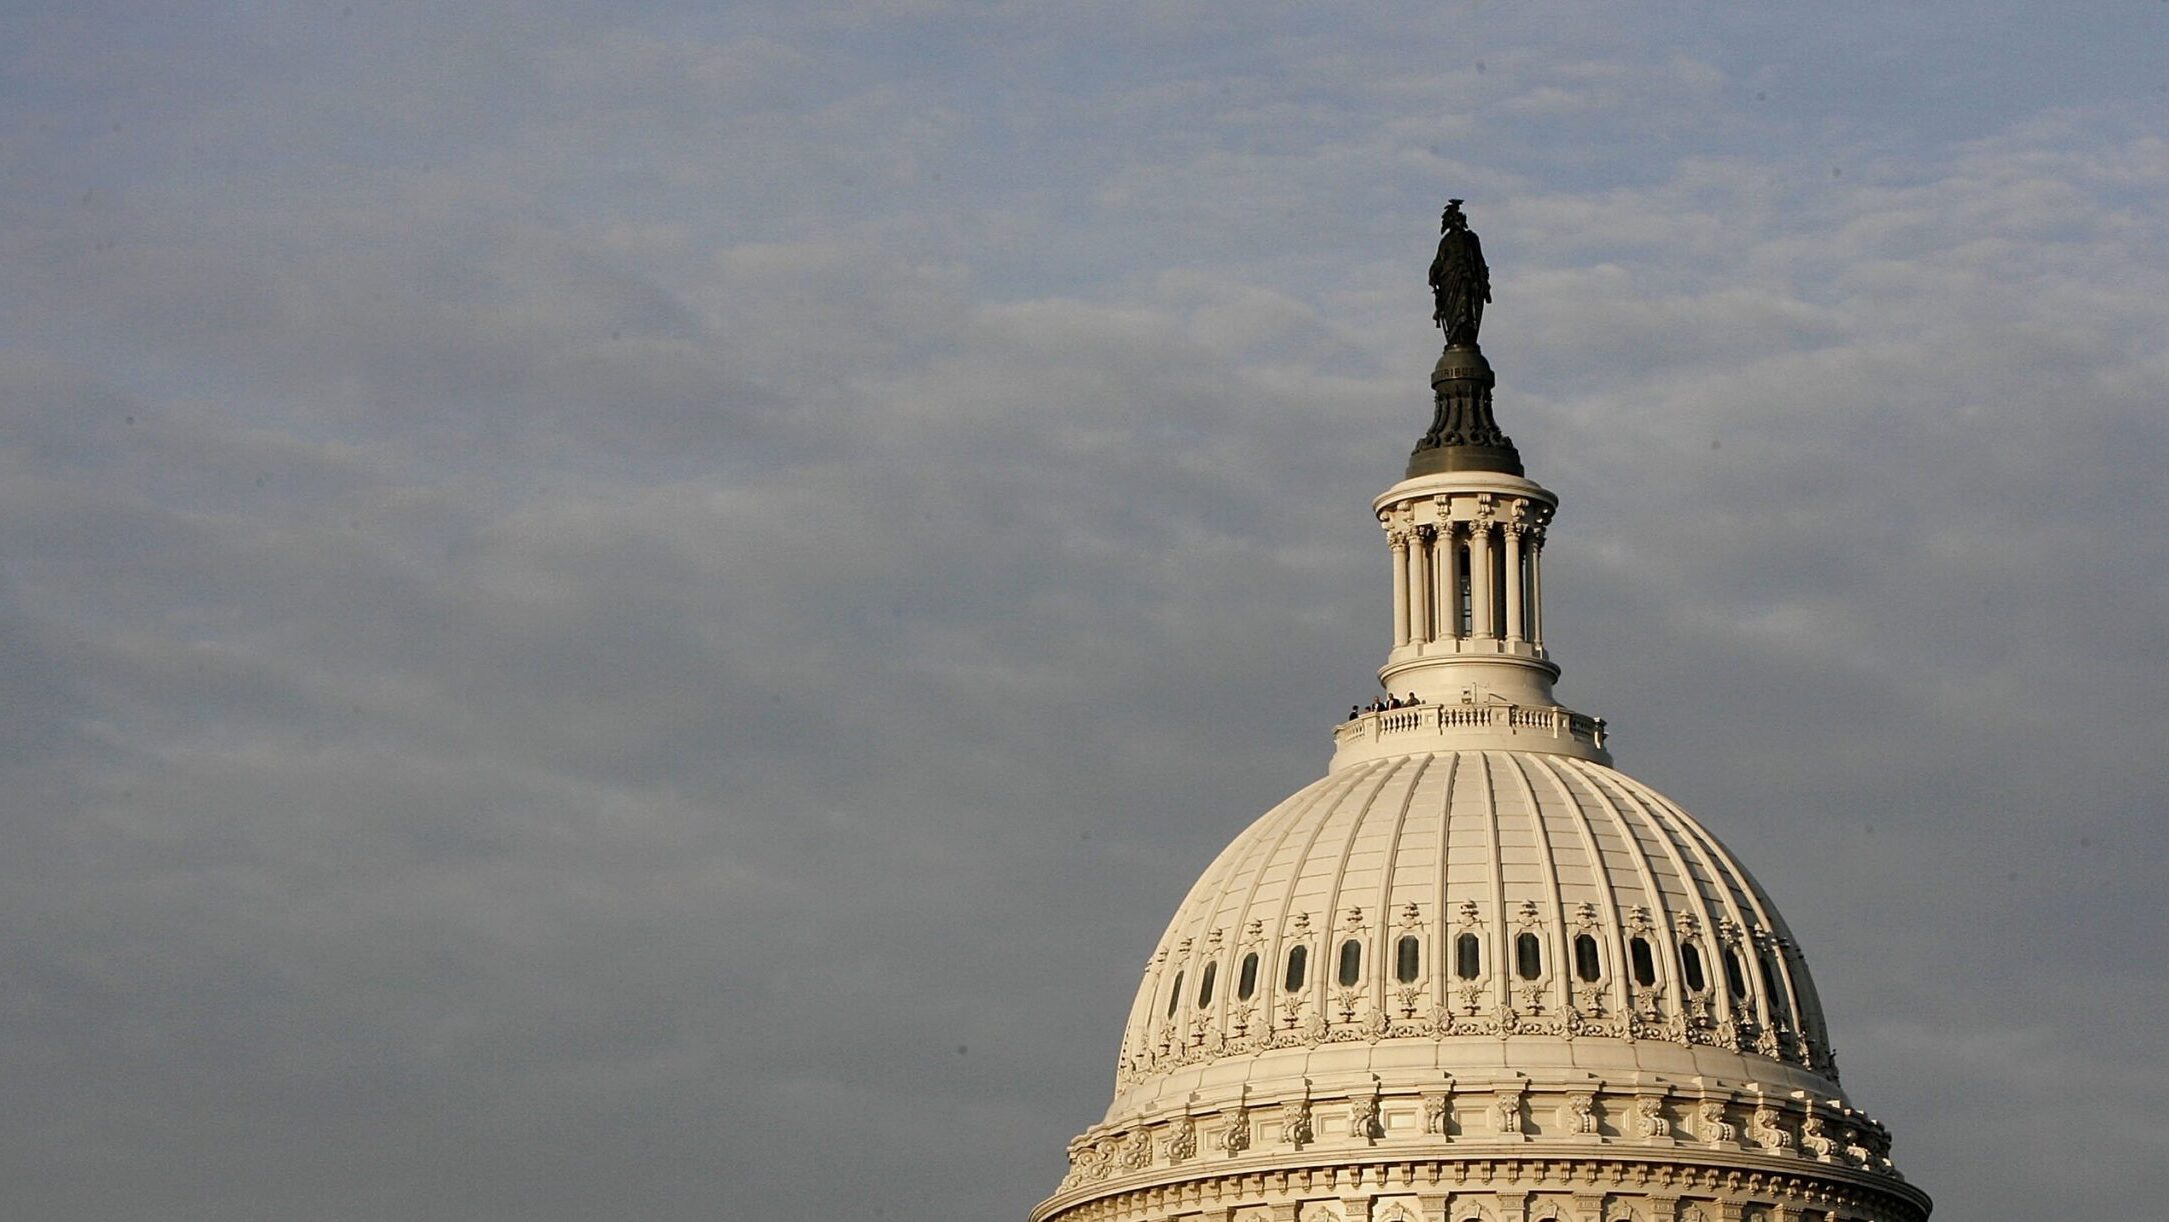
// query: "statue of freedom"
[[1460, 283]]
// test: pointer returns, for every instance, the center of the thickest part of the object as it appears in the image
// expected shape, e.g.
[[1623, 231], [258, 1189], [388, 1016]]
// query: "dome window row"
[[1468, 996], [1528, 963]]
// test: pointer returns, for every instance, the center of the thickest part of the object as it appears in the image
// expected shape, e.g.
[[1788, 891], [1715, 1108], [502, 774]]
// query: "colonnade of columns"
[[1473, 580]]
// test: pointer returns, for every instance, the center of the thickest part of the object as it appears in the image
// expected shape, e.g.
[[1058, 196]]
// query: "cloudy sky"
[[642, 611]]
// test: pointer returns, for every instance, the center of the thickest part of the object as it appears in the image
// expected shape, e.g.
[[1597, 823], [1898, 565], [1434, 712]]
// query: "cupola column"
[[1514, 581], [1480, 592], [1536, 587], [1446, 592], [1419, 611], [1397, 542]]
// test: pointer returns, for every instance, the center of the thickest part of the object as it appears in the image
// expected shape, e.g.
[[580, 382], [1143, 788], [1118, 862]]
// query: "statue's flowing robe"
[[1461, 284]]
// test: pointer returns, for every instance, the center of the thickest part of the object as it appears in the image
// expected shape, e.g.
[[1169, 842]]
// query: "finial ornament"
[[1460, 282]]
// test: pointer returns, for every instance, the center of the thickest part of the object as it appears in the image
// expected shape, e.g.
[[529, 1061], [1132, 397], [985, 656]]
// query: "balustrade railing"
[[1442, 718]]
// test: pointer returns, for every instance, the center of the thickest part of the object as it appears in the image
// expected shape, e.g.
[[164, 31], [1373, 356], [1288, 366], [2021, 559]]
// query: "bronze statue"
[[1463, 435], [1460, 283]]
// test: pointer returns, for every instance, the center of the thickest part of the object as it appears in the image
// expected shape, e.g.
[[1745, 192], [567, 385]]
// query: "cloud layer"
[[646, 614]]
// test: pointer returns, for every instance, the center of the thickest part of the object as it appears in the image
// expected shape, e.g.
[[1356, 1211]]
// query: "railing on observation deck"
[[1440, 718]]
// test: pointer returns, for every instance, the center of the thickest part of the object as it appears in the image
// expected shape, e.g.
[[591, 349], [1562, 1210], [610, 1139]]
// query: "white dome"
[[1440, 901]]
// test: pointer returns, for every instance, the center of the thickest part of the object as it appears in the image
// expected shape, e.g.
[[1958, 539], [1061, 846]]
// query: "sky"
[[632, 610]]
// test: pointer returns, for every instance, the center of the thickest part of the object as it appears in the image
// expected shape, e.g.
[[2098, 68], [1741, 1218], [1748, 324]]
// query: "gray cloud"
[[649, 618]]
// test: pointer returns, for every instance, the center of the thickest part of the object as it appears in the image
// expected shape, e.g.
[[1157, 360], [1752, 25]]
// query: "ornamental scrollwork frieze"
[[1438, 1114], [1296, 1128], [1506, 1110], [1582, 1022], [1365, 1120], [1378, 1026], [1517, 1022], [1815, 1140], [1518, 1109], [1766, 1128], [1711, 1126], [1239, 1017], [1408, 999], [1182, 1140], [1649, 1120], [1235, 1135], [1578, 1114], [1470, 1008], [1345, 1002], [1135, 1154]]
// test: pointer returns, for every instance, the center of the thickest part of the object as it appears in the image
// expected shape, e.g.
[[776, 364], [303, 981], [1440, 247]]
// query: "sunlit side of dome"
[[1419, 907]]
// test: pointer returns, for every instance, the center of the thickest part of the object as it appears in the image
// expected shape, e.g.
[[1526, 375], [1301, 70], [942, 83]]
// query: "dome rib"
[[1325, 977], [1615, 986], [1494, 840], [1381, 961], [1806, 1021], [1746, 918], [1444, 851], [1269, 947], [1626, 807], [1297, 815], [1561, 959]]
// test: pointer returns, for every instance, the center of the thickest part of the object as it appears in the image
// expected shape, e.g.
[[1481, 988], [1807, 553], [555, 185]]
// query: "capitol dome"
[[1397, 917], [1475, 973]]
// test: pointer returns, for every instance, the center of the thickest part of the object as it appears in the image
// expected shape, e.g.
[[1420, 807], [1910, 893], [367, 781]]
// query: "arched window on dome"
[[1528, 956], [1351, 962], [1587, 965], [1205, 984], [1690, 967], [1407, 958], [1645, 961], [1773, 985], [1298, 961], [1174, 995], [1468, 957], [1246, 981], [1735, 975]]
